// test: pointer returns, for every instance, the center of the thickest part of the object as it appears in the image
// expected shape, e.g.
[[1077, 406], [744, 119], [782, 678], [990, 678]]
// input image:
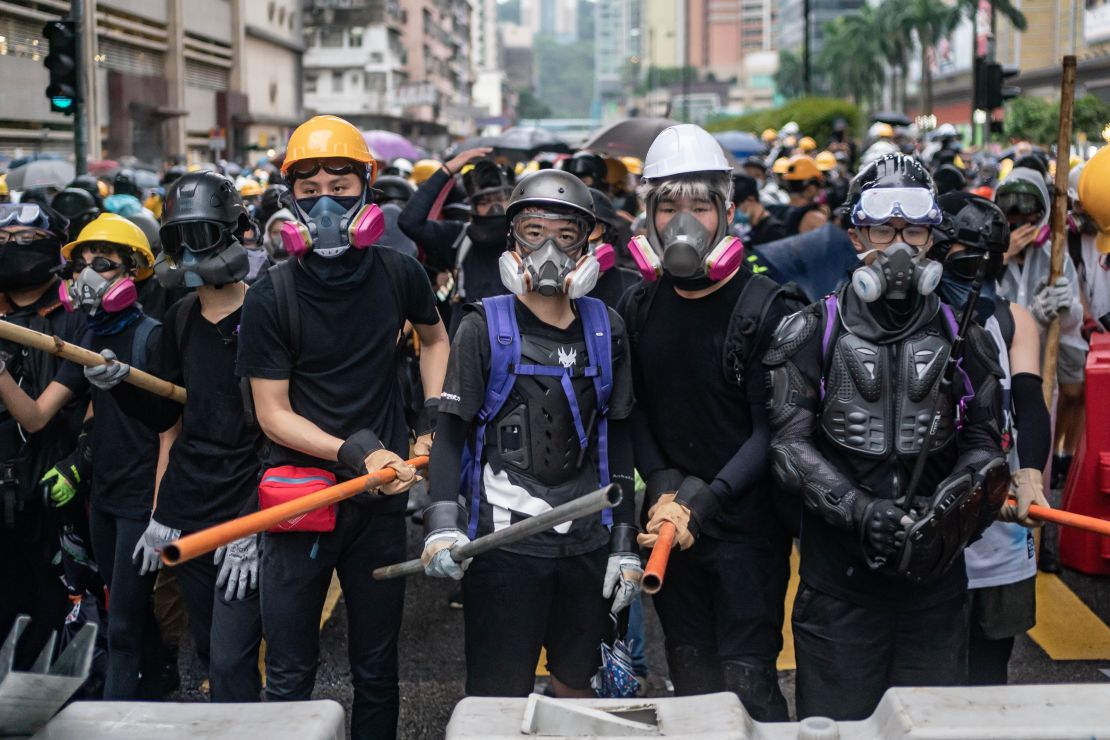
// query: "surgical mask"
[[897, 272], [957, 291], [27, 265], [548, 271], [92, 292], [329, 226], [229, 265]]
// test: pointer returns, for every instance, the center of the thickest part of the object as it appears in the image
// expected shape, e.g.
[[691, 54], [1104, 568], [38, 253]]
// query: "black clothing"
[[997, 614], [436, 240], [558, 471], [343, 379], [124, 451], [769, 229], [613, 284], [296, 571], [695, 419], [156, 299], [516, 605], [849, 655], [1032, 418], [213, 466]]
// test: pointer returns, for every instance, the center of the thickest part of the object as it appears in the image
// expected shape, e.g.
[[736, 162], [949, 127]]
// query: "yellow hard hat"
[[615, 171], [801, 167], [790, 142], [423, 169], [634, 165], [1004, 168], [102, 187], [780, 166], [825, 161], [328, 136], [250, 188], [4, 184], [959, 162], [116, 230], [154, 205], [769, 135], [807, 144], [884, 131], [1094, 194]]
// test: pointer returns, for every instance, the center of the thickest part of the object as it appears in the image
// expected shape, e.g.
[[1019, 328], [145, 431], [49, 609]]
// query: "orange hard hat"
[[800, 168], [328, 136], [825, 161], [807, 144]]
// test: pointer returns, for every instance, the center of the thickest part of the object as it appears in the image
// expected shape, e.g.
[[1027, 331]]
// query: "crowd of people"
[[543, 329]]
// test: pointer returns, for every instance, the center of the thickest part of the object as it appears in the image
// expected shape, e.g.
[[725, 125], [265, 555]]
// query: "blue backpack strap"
[[599, 346], [504, 356], [139, 341]]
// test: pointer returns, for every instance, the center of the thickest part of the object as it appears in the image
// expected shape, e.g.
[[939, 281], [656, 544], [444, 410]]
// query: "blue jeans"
[[634, 637]]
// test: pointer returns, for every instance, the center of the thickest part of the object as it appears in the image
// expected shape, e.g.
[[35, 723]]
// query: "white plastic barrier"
[[1049, 712], [120, 720]]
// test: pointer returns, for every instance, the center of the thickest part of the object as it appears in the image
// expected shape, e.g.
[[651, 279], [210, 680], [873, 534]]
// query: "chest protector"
[[878, 398], [542, 401]]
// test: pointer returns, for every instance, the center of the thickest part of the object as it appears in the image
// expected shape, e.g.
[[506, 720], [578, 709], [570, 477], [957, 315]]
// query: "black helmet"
[[553, 188], [202, 196], [456, 207], [948, 178], [124, 184], [587, 163], [90, 185], [78, 206], [485, 176], [392, 187], [975, 222], [603, 208], [894, 170]]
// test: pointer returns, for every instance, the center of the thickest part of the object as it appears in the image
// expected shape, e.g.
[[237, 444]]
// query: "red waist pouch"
[[288, 482]]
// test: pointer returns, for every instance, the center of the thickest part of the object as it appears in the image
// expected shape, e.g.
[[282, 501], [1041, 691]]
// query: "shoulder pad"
[[791, 333], [983, 350]]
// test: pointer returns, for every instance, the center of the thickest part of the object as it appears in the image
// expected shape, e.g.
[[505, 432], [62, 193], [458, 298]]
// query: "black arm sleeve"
[[620, 470], [438, 239], [1034, 427], [446, 459], [741, 472]]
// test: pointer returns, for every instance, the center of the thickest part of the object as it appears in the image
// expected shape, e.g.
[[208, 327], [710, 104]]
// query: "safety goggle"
[[567, 232], [99, 264], [1027, 204], [22, 238], [337, 166], [23, 214], [194, 236], [965, 265], [915, 205]]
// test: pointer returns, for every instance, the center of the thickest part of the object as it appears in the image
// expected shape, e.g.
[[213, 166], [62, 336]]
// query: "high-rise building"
[[489, 77], [618, 29], [790, 24], [555, 18], [664, 33]]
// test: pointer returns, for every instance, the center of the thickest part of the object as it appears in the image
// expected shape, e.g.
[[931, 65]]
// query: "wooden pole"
[[88, 358], [207, 540], [1059, 220]]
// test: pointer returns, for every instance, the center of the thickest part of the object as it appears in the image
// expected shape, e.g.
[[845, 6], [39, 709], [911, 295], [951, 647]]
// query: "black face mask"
[[27, 265], [692, 283], [491, 229]]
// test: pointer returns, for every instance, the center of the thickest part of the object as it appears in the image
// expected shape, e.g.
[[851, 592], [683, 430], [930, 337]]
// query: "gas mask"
[[604, 253], [328, 226], [896, 273], [229, 265], [688, 249], [544, 262], [92, 293]]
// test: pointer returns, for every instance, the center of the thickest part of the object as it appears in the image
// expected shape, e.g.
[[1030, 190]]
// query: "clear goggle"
[[915, 205], [534, 229], [23, 214]]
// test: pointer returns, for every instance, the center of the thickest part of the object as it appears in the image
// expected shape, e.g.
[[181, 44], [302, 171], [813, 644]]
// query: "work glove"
[[364, 453], [1050, 299], [110, 374], [426, 428], [239, 567], [1028, 488], [60, 483], [148, 551], [74, 546], [666, 509], [623, 573], [436, 558], [883, 530]]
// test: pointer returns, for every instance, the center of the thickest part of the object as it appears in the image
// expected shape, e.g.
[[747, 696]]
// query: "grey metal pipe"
[[592, 503]]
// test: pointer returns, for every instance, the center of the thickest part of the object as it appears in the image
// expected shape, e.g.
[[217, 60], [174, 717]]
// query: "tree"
[[789, 77], [929, 21], [1006, 8], [895, 47], [850, 56], [566, 75], [531, 107]]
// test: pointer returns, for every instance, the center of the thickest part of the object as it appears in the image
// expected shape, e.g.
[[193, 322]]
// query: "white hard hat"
[[791, 129], [683, 149], [878, 149]]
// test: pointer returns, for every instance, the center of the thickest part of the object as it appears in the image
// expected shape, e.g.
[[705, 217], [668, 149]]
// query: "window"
[[377, 57], [270, 10], [281, 15], [331, 37], [337, 82], [375, 82], [356, 36], [310, 83]]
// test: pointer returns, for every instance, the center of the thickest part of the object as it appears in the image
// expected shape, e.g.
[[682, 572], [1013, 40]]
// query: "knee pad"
[[694, 670], [757, 685]]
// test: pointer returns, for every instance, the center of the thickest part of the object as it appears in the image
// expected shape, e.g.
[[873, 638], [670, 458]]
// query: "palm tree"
[[850, 55], [895, 46], [929, 21]]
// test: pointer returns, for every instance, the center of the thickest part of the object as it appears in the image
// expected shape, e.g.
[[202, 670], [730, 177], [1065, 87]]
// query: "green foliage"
[[665, 77], [850, 52], [789, 77], [815, 117], [1038, 120], [566, 76], [529, 106]]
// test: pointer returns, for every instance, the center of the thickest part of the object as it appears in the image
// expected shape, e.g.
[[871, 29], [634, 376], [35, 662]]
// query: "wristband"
[[353, 452]]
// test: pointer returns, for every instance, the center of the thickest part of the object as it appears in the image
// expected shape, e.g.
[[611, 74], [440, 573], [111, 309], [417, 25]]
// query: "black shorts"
[[517, 604]]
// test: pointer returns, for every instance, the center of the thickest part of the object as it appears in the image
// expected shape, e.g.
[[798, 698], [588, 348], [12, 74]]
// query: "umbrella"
[[388, 146], [41, 173], [101, 167], [31, 158], [147, 178], [628, 138], [740, 143], [530, 140], [893, 117]]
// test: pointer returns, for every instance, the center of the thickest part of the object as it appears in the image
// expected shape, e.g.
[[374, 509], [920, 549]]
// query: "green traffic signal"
[[63, 63]]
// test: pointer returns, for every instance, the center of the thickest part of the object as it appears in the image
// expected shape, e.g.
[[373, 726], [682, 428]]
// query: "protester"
[[806, 211], [753, 223], [605, 244]]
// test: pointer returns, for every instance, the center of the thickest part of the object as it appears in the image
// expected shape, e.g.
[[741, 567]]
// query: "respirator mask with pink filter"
[[685, 249], [329, 225]]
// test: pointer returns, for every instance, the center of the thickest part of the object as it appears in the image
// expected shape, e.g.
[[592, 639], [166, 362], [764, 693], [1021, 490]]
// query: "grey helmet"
[[552, 188]]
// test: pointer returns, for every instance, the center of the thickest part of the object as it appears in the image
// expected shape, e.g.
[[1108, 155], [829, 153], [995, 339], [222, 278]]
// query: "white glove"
[[1027, 485], [110, 374], [1050, 299], [240, 567], [623, 574], [436, 557], [148, 551]]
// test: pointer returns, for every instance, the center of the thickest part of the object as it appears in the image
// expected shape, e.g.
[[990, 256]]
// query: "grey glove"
[[1050, 299], [623, 574], [436, 557], [110, 374], [239, 569], [148, 551]]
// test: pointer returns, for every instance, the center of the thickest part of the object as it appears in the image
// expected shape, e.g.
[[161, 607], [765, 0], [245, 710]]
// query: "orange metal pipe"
[[656, 567], [207, 540], [1068, 519]]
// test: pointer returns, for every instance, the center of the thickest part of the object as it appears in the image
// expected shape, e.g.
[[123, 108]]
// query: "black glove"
[[353, 452], [883, 531], [695, 495]]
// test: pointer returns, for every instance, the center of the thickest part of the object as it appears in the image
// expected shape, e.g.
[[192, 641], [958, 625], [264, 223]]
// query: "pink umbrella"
[[387, 146]]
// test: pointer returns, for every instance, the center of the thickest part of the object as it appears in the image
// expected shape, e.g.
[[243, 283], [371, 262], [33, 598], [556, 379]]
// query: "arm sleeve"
[[438, 239], [446, 460], [1034, 436], [620, 470]]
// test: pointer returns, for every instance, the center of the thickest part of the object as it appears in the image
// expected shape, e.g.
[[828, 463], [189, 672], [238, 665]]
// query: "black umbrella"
[[893, 117], [628, 138], [531, 140]]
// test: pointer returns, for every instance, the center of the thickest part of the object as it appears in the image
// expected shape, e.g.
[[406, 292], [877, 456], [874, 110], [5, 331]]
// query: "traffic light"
[[64, 90], [990, 89]]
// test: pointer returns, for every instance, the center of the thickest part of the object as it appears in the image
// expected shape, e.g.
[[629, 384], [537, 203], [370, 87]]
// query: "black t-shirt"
[[124, 450], [699, 418], [768, 230], [612, 284], [464, 391], [344, 377], [156, 299], [213, 466]]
